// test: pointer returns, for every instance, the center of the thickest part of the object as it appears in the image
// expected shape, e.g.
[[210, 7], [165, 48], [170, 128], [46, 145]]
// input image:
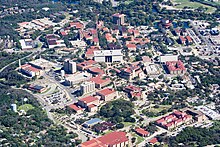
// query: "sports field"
[[180, 4]]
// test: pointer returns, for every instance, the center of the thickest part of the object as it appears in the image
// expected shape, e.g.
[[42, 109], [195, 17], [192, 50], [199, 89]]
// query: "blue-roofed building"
[[91, 122]]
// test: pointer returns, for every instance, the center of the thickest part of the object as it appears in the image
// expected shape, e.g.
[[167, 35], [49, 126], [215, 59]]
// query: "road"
[[160, 131], [15, 62], [206, 41]]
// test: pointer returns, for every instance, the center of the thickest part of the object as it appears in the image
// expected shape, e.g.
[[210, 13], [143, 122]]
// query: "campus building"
[[108, 56], [89, 100], [113, 139], [87, 87], [29, 70], [118, 19], [107, 94], [174, 120], [176, 67], [69, 66]]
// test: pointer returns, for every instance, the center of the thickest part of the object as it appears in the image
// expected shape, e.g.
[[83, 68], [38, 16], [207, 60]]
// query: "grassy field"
[[194, 5], [128, 2], [107, 132], [161, 108], [139, 138], [127, 124], [25, 107]]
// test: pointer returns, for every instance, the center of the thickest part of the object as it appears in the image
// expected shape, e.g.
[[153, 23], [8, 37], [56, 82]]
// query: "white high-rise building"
[[62, 73], [87, 87], [14, 107], [69, 66]]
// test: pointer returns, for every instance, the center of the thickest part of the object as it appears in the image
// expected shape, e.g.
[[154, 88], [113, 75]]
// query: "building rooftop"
[[108, 53], [87, 63], [118, 15], [75, 107], [108, 140], [106, 91], [93, 143], [142, 131], [43, 63], [131, 46], [88, 99], [29, 68], [96, 70], [113, 138], [175, 65], [209, 112], [100, 80], [153, 140], [93, 121]]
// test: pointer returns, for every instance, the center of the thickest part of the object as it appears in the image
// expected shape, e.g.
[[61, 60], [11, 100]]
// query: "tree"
[[120, 126]]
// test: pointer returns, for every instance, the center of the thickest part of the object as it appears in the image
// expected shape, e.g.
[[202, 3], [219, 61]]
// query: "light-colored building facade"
[[168, 57], [108, 56], [87, 87], [89, 100], [107, 94], [118, 19], [69, 66]]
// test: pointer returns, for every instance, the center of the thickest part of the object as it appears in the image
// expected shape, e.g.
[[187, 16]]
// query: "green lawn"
[[139, 138], [127, 124], [161, 108], [25, 107], [109, 131], [193, 5]]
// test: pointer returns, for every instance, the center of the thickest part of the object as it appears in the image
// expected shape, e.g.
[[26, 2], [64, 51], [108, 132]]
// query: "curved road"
[[15, 61]]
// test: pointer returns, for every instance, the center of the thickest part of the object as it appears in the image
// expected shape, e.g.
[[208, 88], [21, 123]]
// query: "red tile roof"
[[160, 121], [100, 80], [108, 140], [177, 113], [96, 70], [74, 107], [90, 51], [86, 63], [96, 39], [178, 120], [169, 117], [92, 106], [142, 131], [29, 68], [88, 99], [182, 39], [106, 91], [78, 25], [133, 88], [188, 38], [108, 36], [169, 124], [136, 94], [114, 138], [63, 33], [153, 141], [131, 45], [93, 143], [175, 65]]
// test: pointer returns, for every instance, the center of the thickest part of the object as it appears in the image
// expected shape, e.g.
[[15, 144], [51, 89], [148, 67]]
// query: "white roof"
[[26, 43], [108, 53], [43, 63], [209, 112]]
